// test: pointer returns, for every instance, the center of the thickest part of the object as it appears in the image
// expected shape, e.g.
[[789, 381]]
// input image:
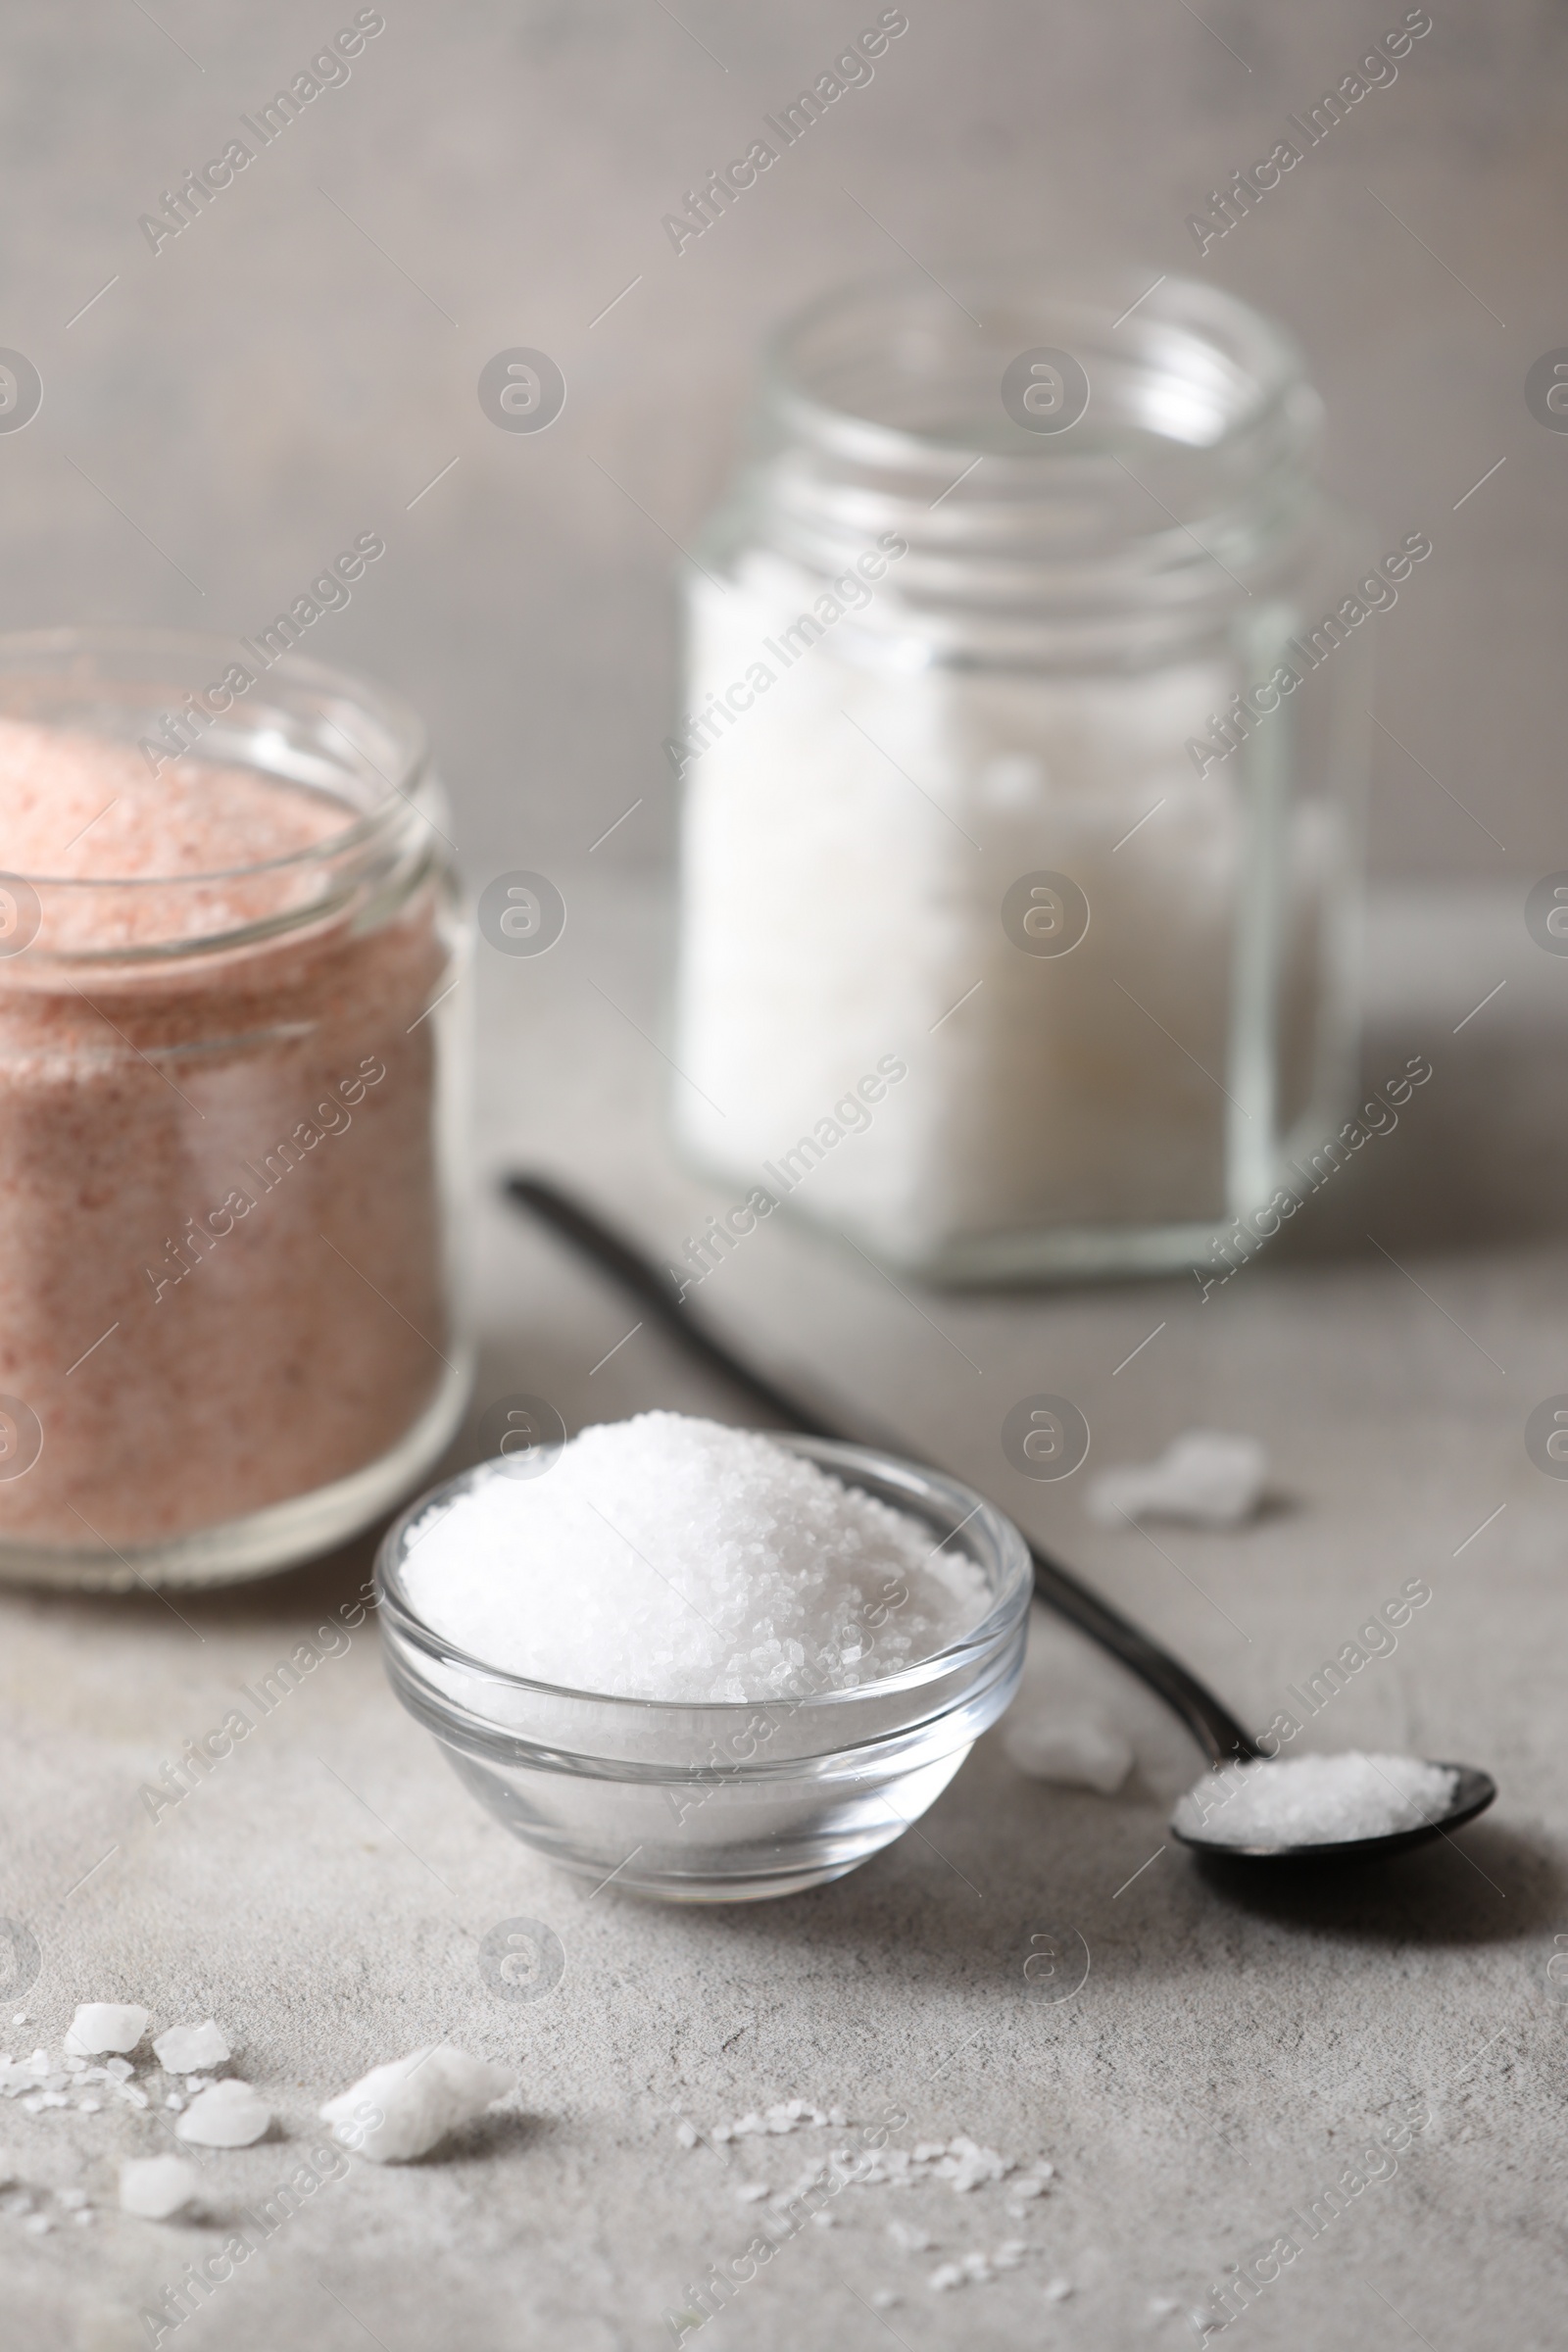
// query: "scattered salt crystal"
[[16, 2201], [825, 2220], [1207, 1478], [1314, 1800], [195, 2083], [1160, 2307], [89, 2106], [21, 2018], [966, 2165], [38, 2223], [978, 2269], [84, 2216], [175, 2100], [120, 2069], [1058, 2290], [73, 2199], [155, 2187], [837, 2118], [962, 2161], [105, 2026], [231, 2115], [398, 2111], [671, 1558], [884, 2299], [750, 2191], [1077, 1751], [906, 2236], [686, 2134], [186, 2049], [33, 2105]]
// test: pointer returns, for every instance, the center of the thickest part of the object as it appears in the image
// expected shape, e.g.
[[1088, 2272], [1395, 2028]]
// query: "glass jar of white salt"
[[1023, 765]]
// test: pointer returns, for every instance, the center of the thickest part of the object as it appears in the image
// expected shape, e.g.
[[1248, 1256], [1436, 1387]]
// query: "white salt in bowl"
[[710, 1803]]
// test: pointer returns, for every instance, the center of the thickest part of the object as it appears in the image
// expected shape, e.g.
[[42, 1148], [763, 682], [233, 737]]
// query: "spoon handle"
[[1211, 1723]]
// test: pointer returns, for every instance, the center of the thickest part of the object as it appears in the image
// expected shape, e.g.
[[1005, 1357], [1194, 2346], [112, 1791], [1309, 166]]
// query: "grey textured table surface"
[[324, 1891]]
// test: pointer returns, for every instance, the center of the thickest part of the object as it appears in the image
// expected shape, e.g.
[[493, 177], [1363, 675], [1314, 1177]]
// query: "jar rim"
[[382, 764], [1267, 364], [116, 637], [1180, 487]]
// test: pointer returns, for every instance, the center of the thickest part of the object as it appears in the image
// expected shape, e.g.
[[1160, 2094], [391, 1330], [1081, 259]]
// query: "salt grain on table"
[[231, 2115], [155, 2187], [187, 2049], [399, 2111], [1207, 1478], [100, 2025], [1075, 1751]]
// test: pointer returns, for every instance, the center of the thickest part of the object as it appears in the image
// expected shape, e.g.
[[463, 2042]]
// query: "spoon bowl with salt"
[[1335, 1808], [1250, 1807]]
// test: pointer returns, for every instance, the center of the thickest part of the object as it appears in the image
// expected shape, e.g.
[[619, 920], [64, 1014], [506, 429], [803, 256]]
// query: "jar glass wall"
[[1022, 770], [232, 1041]]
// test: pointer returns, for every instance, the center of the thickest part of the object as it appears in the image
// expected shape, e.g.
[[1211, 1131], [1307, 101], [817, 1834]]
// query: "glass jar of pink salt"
[[231, 1044]]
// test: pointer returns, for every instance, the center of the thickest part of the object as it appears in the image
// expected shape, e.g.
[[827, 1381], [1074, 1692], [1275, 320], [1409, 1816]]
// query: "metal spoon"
[[1222, 1738]]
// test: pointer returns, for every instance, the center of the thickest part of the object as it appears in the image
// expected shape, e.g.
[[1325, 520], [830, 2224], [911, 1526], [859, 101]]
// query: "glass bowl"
[[731, 1802]]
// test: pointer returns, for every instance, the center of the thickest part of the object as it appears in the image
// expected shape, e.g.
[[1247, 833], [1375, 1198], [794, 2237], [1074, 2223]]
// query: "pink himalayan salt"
[[141, 1102]]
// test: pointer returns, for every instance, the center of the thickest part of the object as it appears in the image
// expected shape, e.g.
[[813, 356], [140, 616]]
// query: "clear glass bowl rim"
[[1013, 1569]]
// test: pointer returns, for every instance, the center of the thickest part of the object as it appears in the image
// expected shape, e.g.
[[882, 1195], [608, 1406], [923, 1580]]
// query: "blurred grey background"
[[297, 364]]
